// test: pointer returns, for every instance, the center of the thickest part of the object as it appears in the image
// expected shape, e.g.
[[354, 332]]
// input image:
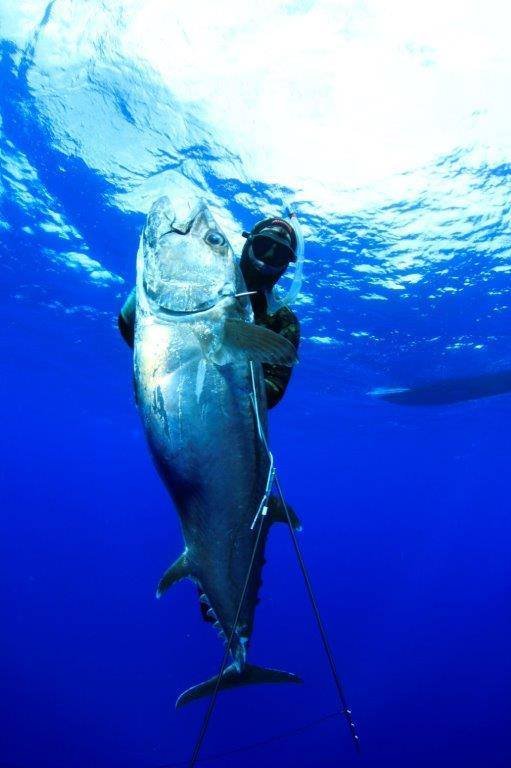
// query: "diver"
[[269, 249]]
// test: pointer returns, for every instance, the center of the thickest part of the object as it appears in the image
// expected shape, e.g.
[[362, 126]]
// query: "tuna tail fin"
[[177, 571], [232, 678]]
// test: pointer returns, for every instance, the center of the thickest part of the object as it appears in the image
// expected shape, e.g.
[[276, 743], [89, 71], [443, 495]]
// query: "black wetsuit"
[[285, 323]]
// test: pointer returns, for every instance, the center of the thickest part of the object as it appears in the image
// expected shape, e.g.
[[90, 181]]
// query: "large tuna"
[[200, 391]]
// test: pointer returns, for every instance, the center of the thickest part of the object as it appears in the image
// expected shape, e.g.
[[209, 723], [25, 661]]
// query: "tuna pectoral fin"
[[231, 678], [177, 571], [260, 344], [277, 513]]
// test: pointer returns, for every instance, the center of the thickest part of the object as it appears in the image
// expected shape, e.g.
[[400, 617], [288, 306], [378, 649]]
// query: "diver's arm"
[[126, 319], [289, 326], [276, 377]]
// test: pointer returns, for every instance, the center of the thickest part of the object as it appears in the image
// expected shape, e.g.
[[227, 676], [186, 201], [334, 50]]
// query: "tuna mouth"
[[164, 311], [186, 312]]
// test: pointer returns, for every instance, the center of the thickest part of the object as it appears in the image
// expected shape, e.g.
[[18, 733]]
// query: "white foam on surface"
[[321, 97]]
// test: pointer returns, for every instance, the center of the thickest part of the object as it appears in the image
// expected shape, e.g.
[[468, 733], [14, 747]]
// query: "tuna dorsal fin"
[[232, 678], [260, 344], [177, 571], [277, 513]]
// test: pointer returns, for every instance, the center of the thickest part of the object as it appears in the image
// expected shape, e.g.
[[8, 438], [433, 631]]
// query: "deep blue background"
[[405, 512]]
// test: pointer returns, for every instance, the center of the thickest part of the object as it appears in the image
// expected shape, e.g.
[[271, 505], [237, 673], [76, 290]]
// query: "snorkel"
[[273, 297], [269, 249]]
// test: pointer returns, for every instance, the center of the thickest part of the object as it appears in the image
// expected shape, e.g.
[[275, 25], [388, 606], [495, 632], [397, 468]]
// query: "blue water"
[[405, 511]]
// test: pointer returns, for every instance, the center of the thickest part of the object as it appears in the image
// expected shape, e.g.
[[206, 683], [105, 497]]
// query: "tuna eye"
[[214, 238]]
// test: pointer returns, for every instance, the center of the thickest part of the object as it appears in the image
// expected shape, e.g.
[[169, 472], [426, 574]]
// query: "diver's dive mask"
[[269, 249]]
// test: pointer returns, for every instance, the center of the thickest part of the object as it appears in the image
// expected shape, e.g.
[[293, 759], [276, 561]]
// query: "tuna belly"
[[219, 539], [222, 570], [199, 410], [226, 486], [209, 454]]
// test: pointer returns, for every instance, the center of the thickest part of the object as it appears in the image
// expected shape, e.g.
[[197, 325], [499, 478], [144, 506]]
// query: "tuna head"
[[185, 266]]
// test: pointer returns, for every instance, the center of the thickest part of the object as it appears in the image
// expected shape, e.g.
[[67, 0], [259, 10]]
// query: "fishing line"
[[345, 710], [256, 744], [237, 750]]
